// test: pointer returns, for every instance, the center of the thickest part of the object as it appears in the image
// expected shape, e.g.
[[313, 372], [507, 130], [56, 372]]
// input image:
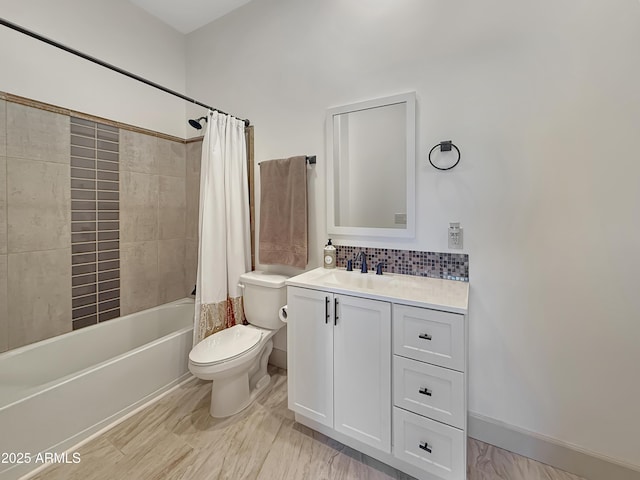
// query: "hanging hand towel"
[[283, 212]]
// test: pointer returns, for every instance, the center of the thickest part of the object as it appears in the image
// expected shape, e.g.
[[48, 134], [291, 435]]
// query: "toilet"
[[236, 358]]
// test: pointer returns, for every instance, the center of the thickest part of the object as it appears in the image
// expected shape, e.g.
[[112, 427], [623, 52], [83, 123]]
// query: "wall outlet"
[[455, 236], [400, 218]]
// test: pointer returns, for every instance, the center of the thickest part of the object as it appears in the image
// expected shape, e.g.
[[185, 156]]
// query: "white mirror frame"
[[409, 232]]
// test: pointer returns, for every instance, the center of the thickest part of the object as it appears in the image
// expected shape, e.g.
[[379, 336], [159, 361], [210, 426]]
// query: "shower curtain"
[[224, 251]]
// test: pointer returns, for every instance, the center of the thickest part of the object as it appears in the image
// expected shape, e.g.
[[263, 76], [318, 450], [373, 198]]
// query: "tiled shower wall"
[[157, 243]]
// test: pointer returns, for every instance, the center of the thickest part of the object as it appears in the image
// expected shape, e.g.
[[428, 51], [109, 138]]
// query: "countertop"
[[435, 293]]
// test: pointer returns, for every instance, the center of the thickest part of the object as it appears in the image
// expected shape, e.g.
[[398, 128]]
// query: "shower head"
[[196, 123]]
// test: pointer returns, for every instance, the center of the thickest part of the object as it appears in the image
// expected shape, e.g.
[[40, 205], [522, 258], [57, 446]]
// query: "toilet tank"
[[264, 294]]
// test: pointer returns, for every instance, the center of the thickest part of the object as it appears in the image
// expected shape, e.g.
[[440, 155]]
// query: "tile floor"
[[176, 439]]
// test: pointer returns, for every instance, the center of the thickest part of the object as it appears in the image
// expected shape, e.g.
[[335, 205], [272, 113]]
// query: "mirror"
[[371, 168]]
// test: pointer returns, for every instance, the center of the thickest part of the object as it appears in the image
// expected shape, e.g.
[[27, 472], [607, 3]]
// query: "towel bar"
[[311, 160]]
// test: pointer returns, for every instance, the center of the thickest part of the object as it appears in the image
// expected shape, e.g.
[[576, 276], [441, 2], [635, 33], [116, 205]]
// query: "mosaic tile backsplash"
[[450, 266]]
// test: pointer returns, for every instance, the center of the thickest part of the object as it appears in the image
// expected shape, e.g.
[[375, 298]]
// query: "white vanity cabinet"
[[341, 377], [379, 363]]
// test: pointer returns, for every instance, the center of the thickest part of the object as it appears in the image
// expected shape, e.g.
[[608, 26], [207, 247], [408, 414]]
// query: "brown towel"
[[283, 212]]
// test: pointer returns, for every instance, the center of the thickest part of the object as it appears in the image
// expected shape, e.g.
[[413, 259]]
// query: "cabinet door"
[[362, 370], [310, 353]]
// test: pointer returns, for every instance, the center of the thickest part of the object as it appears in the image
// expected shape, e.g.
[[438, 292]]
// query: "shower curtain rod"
[[119, 70]]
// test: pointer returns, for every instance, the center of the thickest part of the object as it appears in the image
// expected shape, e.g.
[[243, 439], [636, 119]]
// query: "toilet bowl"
[[236, 358]]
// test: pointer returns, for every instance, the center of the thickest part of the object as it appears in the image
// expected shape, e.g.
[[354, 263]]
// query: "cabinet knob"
[[425, 391], [425, 446], [424, 336]]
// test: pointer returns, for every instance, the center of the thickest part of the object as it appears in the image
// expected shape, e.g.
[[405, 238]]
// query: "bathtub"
[[58, 392]]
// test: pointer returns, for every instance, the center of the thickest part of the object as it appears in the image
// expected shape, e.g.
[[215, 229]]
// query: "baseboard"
[[278, 358], [569, 458]]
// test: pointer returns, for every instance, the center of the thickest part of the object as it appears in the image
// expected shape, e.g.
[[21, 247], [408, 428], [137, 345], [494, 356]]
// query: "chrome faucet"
[[363, 267]]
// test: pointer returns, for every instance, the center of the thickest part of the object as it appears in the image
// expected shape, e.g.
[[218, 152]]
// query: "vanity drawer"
[[434, 392], [429, 336], [429, 445]]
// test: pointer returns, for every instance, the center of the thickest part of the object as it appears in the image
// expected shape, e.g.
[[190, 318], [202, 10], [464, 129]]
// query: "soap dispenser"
[[329, 255]]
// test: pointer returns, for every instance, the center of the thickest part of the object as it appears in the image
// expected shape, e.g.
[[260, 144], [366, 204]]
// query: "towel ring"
[[445, 146]]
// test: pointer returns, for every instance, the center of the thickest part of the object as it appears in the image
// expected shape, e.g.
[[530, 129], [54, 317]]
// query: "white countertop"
[[439, 294]]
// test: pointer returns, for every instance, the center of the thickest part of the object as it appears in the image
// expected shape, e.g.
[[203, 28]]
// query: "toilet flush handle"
[[241, 285]]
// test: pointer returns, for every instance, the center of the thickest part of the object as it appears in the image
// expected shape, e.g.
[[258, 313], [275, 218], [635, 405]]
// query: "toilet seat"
[[225, 345]]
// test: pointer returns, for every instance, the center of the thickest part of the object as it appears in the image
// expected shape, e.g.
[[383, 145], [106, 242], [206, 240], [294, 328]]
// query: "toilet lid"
[[225, 345]]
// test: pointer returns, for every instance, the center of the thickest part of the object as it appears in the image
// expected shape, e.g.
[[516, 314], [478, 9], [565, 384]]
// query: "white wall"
[[543, 100], [114, 31]]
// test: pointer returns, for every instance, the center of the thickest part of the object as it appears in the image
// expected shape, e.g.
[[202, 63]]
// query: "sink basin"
[[356, 280], [391, 287]]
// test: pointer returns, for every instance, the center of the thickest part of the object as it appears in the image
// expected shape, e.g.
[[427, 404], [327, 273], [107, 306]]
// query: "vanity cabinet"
[[379, 364], [341, 376]]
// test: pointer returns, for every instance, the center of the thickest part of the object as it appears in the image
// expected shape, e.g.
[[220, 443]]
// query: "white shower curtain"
[[225, 244]]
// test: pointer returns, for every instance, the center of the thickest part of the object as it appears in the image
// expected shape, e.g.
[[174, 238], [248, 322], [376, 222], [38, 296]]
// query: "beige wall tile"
[[138, 152], [37, 134], [194, 154], [193, 202], [171, 207], [171, 270], [3, 128], [171, 157], [38, 205], [3, 205], [138, 276], [190, 264], [39, 295], [138, 207], [4, 311]]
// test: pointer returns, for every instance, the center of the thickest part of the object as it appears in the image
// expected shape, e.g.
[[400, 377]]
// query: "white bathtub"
[[58, 392]]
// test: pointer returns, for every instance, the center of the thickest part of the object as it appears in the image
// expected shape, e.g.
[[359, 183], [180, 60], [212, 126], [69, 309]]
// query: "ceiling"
[[188, 15]]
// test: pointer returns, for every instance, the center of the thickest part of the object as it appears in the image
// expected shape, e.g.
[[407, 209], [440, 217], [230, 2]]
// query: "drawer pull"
[[425, 336], [425, 391], [425, 446]]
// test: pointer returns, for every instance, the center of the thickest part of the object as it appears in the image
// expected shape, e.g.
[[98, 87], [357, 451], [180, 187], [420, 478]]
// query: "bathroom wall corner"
[[191, 265], [192, 185], [278, 358]]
